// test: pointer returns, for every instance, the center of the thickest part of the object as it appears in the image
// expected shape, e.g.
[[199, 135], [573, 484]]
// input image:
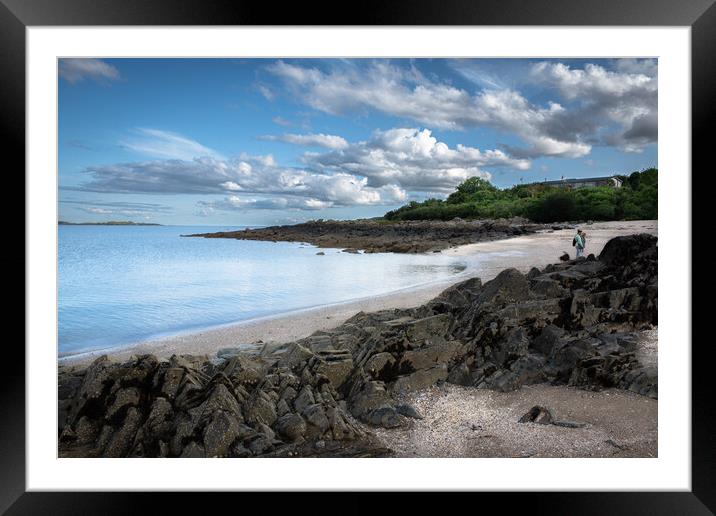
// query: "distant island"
[[108, 223]]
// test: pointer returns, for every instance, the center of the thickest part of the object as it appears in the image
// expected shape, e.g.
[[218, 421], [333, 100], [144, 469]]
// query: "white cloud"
[[627, 98], [648, 66], [412, 159], [379, 171], [594, 81], [408, 94], [164, 144], [76, 70], [328, 141], [237, 203], [247, 174], [552, 130]]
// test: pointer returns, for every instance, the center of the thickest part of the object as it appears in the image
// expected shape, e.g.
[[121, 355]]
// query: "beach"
[[467, 422], [522, 252]]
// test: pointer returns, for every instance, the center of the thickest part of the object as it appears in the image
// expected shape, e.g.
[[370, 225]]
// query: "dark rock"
[[547, 339], [571, 323], [220, 433], [460, 375], [385, 416], [121, 440], [193, 451], [335, 365], [420, 379], [159, 419], [508, 287], [261, 409], [623, 250], [172, 380], [291, 426], [380, 365], [295, 356], [538, 414], [316, 416], [124, 398], [429, 356], [533, 273], [408, 410], [304, 399]]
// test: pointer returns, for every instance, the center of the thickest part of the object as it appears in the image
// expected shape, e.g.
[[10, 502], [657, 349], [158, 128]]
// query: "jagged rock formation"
[[571, 323], [382, 236]]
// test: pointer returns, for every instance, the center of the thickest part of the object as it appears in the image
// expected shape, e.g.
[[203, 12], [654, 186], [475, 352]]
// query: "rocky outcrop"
[[374, 236], [571, 323]]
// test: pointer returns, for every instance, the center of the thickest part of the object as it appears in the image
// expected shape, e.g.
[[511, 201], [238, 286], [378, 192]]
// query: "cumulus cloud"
[[550, 130], [379, 171], [648, 66], [76, 70], [165, 144], [328, 141], [622, 105], [412, 159], [408, 94], [247, 174]]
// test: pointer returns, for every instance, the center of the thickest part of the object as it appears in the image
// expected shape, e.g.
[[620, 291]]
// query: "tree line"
[[477, 198]]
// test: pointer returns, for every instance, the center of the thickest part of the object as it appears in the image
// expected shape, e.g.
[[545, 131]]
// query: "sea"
[[118, 285]]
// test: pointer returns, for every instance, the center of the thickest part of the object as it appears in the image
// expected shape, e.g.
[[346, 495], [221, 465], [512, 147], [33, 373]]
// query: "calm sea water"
[[123, 284]]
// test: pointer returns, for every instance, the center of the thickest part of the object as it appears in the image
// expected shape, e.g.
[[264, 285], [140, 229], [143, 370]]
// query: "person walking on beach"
[[584, 241], [578, 243]]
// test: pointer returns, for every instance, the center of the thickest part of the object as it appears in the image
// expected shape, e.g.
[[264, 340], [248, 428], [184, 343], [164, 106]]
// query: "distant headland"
[[108, 223]]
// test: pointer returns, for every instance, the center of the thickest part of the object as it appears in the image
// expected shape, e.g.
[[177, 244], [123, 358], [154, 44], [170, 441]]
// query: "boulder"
[[316, 416], [294, 356], [336, 365], [123, 437], [124, 398], [623, 250], [304, 399], [261, 409], [547, 339], [509, 286], [291, 426], [220, 433], [538, 414], [408, 410], [385, 416], [172, 380], [420, 379]]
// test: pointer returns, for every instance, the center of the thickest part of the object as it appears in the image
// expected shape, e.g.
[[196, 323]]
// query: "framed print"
[[415, 250]]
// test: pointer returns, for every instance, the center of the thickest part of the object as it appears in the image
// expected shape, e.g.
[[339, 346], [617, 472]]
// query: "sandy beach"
[[522, 253]]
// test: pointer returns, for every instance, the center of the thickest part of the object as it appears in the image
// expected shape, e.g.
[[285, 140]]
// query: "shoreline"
[[521, 252]]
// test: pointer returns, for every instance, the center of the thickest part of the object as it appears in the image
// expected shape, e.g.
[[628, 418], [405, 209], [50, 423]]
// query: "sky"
[[280, 141]]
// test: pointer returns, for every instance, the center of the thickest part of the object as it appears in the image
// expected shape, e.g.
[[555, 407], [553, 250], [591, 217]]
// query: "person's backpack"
[[574, 241]]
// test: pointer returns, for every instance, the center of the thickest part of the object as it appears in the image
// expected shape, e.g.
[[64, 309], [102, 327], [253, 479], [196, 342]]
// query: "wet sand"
[[523, 253]]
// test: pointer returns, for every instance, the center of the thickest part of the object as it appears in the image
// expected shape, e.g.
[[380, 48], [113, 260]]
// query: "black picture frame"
[[17, 15]]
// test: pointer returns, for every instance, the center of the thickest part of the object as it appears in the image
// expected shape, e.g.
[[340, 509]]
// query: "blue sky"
[[276, 141]]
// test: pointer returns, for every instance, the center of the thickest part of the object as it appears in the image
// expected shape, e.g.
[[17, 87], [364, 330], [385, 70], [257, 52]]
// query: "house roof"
[[581, 180]]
